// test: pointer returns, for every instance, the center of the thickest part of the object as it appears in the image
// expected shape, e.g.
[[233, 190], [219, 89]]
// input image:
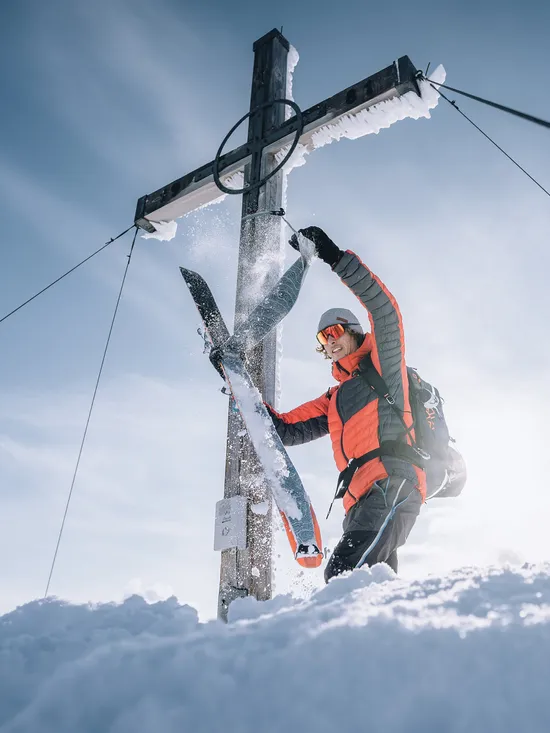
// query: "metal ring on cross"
[[254, 186]]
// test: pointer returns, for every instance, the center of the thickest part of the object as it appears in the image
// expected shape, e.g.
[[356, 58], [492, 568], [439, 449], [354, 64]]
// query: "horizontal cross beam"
[[198, 187]]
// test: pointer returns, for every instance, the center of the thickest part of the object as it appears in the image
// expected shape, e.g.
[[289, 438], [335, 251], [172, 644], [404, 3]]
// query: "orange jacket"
[[357, 420]]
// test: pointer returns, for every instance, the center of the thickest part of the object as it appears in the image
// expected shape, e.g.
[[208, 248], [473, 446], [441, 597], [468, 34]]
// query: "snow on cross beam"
[[372, 104]]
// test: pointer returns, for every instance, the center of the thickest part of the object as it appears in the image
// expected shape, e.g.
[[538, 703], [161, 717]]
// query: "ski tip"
[[309, 556], [188, 274], [193, 279], [310, 561]]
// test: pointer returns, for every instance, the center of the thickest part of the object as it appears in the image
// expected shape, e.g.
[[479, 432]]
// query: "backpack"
[[444, 465], [445, 468]]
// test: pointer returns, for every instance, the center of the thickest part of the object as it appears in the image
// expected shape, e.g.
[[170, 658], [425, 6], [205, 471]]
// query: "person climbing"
[[382, 481]]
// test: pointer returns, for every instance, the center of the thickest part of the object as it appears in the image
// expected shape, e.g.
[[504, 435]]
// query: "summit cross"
[[273, 137]]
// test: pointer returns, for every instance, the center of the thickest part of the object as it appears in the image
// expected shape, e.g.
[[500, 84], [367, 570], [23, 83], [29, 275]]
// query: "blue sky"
[[105, 102]]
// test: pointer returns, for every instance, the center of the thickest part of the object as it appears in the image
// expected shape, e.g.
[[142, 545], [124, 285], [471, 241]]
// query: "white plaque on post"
[[230, 528]]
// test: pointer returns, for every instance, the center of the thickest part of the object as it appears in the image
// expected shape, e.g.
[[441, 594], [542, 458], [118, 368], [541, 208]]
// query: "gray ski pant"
[[376, 526]]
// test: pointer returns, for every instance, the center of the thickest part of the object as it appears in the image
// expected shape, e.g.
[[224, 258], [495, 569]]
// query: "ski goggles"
[[335, 331]]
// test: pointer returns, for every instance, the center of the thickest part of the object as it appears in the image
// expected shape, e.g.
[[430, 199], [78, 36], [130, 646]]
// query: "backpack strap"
[[369, 374], [388, 448]]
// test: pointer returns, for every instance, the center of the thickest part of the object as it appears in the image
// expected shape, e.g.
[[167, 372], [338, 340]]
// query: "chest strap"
[[387, 449]]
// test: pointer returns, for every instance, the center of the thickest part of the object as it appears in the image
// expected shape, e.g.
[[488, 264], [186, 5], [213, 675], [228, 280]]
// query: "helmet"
[[339, 315]]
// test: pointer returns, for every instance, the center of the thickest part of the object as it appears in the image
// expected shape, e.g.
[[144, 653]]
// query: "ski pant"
[[376, 526]]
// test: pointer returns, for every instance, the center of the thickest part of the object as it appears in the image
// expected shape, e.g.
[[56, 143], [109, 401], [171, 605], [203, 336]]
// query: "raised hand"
[[325, 248]]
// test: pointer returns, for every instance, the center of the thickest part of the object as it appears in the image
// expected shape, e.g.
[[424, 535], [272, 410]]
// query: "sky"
[[105, 102]]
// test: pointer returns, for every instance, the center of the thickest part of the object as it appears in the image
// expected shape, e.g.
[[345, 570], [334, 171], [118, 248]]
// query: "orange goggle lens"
[[335, 331]]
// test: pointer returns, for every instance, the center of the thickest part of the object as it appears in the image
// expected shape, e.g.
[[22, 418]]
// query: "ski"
[[277, 304], [290, 496]]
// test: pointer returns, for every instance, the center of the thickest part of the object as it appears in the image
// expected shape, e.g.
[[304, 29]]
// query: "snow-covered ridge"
[[467, 652]]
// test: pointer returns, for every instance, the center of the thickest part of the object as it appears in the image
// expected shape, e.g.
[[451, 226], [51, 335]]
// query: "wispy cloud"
[[119, 79]]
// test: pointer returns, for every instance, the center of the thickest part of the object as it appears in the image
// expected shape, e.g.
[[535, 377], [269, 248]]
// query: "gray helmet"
[[339, 315]]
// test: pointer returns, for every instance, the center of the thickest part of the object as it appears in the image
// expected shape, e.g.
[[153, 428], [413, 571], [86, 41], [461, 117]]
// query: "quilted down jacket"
[[356, 419]]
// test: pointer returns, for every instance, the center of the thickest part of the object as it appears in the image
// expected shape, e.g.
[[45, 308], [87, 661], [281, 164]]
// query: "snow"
[[261, 508], [291, 62], [307, 248], [463, 653], [370, 120], [165, 231], [260, 428], [235, 180]]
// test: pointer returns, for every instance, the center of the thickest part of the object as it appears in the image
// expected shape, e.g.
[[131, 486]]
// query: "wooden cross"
[[246, 567]]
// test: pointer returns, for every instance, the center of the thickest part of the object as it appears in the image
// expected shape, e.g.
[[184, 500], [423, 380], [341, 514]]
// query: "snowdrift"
[[464, 652]]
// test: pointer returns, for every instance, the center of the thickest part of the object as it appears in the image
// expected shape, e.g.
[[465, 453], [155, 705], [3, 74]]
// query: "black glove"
[[325, 247], [215, 357]]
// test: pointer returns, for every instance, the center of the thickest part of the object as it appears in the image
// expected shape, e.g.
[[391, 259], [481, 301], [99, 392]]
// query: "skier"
[[381, 480]]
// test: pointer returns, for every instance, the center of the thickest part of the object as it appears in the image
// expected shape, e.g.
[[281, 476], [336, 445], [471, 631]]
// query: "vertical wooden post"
[[248, 571]]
